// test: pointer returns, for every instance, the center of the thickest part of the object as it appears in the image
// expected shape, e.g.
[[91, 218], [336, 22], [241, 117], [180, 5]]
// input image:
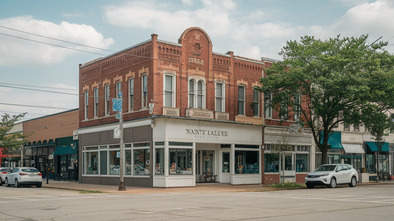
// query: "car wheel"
[[39, 185], [16, 183], [333, 182], [310, 186], [353, 182], [6, 182]]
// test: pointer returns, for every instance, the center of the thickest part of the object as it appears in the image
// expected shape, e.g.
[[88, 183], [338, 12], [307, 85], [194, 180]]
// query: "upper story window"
[[107, 99], [241, 100], [86, 105], [192, 94], [267, 104], [284, 110], [219, 97], [356, 127], [256, 102], [169, 91], [196, 94], [118, 89], [96, 101], [297, 107], [144, 94], [200, 94], [131, 94]]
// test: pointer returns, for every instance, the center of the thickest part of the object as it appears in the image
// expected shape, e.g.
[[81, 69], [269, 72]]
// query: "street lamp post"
[[118, 106]]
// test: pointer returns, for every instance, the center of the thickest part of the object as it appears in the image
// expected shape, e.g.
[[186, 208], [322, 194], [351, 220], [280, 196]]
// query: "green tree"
[[335, 78], [10, 141]]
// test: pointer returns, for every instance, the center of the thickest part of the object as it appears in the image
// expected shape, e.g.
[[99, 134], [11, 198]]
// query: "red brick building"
[[190, 115]]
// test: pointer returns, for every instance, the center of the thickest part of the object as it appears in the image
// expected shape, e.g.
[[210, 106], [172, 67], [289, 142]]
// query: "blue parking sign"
[[117, 104]]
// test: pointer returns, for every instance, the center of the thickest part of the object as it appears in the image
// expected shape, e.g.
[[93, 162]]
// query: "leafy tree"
[[10, 140], [336, 79]]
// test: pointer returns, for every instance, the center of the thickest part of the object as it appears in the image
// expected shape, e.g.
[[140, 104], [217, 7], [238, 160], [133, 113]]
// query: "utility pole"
[[121, 183]]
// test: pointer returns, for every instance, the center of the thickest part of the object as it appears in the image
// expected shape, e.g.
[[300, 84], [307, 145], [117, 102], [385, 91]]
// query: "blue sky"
[[250, 28]]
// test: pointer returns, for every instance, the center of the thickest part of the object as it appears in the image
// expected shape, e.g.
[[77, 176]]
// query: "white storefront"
[[186, 152]]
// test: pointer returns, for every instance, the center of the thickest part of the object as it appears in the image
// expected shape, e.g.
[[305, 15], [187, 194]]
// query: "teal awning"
[[64, 150], [334, 140], [373, 147]]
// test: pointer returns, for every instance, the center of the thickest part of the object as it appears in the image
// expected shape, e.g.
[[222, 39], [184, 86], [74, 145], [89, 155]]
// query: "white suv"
[[331, 175]]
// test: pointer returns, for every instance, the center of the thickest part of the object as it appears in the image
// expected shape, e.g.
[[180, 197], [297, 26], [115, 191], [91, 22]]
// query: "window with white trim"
[[267, 104], [86, 99], [96, 101], [256, 102], [118, 88], [297, 107], [200, 94], [131, 94], [192, 94], [241, 100], [219, 97], [169, 90], [144, 94], [106, 97]]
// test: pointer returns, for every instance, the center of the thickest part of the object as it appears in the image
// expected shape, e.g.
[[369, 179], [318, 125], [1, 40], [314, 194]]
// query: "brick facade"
[[190, 58]]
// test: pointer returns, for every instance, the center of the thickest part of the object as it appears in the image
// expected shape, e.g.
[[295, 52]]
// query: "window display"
[[246, 162], [180, 161], [141, 162], [271, 162], [302, 164], [114, 162], [91, 163], [159, 166]]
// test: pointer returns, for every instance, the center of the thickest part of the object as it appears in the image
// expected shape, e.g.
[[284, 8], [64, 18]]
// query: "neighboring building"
[[188, 113], [8, 157], [51, 145]]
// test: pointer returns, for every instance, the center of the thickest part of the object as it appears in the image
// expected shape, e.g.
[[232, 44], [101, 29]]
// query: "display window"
[[181, 161], [159, 164], [246, 162]]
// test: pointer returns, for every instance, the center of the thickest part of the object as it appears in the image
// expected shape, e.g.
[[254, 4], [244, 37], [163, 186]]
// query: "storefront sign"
[[210, 133]]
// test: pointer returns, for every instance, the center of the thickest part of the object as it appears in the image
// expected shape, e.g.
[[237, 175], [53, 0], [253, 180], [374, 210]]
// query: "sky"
[[43, 42]]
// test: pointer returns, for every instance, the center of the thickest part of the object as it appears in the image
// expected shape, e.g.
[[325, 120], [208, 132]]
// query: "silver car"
[[3, 172], [331, 175], [24, 176]]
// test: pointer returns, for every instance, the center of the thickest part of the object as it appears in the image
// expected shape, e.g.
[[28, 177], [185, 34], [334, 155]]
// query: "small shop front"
[[377, 152], [66, 159], [194, 151]]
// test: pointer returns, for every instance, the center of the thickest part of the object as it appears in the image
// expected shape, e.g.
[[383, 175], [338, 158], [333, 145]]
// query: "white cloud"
[[375, 19], [219, 19], [15, 51], [188, 2]]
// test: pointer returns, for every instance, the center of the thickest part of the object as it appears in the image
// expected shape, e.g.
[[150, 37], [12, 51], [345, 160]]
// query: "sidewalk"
[[201, 188]]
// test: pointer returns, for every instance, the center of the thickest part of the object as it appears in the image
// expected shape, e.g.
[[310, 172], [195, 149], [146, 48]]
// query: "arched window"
[[200, 94], [192, 94]]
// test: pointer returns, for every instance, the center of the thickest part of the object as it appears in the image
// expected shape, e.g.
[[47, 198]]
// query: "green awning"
[[64, 150], [334, 140], [373, 147]]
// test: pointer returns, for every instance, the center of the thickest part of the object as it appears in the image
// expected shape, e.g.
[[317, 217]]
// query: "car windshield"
[[326, 168], [31, 170]]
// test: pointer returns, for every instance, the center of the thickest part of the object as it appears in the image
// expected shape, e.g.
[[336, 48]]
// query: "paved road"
[[372, 202]]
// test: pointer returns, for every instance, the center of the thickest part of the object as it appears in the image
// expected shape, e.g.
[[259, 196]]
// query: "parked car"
[[28, 176], [3, 172], [331, 175]]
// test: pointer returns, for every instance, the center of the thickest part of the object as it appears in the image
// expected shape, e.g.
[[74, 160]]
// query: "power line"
[[35, 106], [56, 39], [31, 89], [25, 85], [60, 46]]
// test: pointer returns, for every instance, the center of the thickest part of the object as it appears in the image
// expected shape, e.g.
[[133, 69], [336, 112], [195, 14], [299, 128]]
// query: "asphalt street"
[[371, 202]]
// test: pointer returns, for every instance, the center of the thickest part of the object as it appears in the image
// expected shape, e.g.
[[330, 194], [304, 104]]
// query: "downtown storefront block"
[[170, 152]]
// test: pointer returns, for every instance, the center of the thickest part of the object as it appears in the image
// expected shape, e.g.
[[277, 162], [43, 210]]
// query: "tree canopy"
[[10, 140], [336, 78]]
